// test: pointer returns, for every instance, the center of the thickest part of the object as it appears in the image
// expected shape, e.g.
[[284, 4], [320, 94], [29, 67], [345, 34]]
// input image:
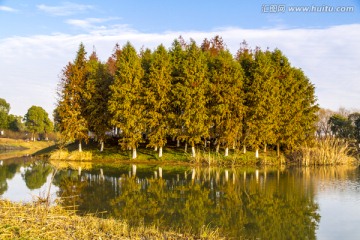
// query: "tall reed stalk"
[[326, 151]]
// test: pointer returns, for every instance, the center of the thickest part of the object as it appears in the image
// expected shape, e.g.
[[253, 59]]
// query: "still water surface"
[[298, 203]]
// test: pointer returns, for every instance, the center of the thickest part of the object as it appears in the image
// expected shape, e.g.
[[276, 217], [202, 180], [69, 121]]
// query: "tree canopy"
[[126, 100], [70, 111], [37, 121], [190, 93], [4, 112]]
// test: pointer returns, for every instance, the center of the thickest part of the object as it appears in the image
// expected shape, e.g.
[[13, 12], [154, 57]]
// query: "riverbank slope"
[[10, 148]]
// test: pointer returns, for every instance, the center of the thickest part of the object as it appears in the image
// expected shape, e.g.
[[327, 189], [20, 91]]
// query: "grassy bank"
[[19, 147], [171, 155], [322, 152], [36, 221]]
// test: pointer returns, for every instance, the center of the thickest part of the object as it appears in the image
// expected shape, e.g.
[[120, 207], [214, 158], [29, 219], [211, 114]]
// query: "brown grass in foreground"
[[36, 221]]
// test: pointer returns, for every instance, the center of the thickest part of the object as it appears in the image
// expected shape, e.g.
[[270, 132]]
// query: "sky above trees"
[[38, 38]]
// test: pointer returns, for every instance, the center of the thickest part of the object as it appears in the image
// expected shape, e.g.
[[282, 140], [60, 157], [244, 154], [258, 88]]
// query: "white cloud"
[[7, 9], [30, 66], [65, 9], [90, 24]]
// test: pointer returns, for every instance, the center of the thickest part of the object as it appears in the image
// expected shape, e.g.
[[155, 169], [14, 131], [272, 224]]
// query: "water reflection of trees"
[[35, 176], [250, 204], [6, 172]]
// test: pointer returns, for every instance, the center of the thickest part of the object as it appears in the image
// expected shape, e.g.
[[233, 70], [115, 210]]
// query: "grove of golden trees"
[[190, 93]]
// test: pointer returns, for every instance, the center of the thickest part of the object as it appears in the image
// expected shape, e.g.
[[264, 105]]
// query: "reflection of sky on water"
[[339, 203], [19, 192]]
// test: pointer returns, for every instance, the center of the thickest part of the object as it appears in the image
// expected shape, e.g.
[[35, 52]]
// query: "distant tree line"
[[193, 94], [36, 121], [342, 124]]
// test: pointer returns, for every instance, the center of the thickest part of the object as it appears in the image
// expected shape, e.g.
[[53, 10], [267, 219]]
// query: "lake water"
[[264, 203]]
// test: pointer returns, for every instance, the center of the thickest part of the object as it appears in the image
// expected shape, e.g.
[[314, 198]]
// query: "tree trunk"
[[186, 147], [178, 143], [226, 175], [155, 149], [265, 146], [134, 153], [160, 152], [278, 150], [193, 151], [101, 146], [257, 153], [234, 145], [80, 147], [217, 148], [226, 151], [133, 170], [205, 143], [244, 149], [193, 174], [160, 172]]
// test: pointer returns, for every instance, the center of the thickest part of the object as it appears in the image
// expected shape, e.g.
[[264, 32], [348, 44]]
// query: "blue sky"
[[38, 38]]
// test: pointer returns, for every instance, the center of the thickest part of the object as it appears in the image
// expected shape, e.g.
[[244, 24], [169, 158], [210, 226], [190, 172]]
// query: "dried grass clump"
[[75, 155], [83, 156], [36, 221], [61, 164], [60, 154], [327, 151]]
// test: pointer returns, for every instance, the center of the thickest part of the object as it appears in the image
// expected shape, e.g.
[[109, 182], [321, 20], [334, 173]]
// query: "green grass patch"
[[171, 155]]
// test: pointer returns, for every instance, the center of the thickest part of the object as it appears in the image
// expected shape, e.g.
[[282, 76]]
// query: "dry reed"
[[37, 221], [74, 156], [327, 151]]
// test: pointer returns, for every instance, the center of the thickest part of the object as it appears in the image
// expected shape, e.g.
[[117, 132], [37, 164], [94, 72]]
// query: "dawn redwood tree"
[[111, 62], [261, 90], [111, 68], [287, 116], [297, 118], [304, 122], [70, 107], [225, 98], [37, 121], [97, 94], [214, 46], [192, 96], [245, 56], [126, 100], [146, 58], [177, 55], [157, 89]]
